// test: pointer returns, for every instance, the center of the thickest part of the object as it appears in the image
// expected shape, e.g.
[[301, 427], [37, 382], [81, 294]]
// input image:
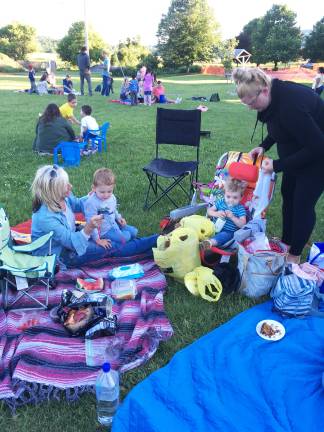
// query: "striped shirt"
[[238, 211]]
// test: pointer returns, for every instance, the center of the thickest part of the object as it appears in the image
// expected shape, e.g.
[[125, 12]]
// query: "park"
[[186, 320]]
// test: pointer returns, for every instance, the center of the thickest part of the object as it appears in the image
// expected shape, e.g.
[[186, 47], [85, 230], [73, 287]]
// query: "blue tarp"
[[231, 380]]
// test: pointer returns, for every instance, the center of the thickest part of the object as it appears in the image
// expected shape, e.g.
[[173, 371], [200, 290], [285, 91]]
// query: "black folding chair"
[[173, 127]]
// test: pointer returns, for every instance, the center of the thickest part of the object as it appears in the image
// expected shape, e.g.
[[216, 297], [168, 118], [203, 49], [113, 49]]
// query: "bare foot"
[[294, 259]]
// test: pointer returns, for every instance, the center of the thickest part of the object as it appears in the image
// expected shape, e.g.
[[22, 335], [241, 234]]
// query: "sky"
[[117, 20]]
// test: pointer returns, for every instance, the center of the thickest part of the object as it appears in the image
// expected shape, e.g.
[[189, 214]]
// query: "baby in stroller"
[[228, 213]]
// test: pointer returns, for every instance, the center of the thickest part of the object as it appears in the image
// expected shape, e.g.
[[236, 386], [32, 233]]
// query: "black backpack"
[[214, 97]]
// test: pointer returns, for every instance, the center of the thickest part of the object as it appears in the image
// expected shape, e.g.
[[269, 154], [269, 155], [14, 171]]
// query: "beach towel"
[[40, 361], [232, 380]]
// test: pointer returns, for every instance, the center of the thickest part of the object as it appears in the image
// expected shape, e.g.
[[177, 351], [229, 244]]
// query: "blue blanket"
[[231, 380]]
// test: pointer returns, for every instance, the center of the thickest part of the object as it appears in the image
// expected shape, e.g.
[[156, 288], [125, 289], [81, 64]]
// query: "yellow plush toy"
[[178, 252], [201, 281], [203, 226]]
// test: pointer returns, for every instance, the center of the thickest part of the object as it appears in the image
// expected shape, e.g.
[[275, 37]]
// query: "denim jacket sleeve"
[[45, 221]]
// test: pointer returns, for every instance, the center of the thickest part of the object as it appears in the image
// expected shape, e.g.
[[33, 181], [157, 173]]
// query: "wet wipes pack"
[[130, 271]]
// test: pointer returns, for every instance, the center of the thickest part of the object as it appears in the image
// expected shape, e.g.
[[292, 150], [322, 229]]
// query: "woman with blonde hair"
[[294, 116], [53, 210]]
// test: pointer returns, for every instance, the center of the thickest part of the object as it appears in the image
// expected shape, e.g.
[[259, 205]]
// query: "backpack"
[[214, 98], [294, 296]]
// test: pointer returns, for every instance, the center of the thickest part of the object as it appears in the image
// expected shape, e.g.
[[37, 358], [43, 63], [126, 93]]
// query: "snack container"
[[122, 289]]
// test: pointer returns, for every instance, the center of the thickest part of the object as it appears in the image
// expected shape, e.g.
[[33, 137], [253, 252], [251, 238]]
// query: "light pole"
[[86, 39]]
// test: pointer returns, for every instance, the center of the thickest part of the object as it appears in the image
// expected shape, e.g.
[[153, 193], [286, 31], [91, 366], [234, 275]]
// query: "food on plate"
[[269, 330]]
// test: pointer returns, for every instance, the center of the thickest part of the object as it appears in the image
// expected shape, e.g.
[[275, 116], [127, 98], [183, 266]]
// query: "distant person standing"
[[83, 61], [318, 84], [32, 79], [105, 75]]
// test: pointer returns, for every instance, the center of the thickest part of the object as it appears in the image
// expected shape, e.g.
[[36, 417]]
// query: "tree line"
[[188, 33]]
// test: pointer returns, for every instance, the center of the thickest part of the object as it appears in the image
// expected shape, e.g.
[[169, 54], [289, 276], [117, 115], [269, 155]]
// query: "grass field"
[[131, 145]]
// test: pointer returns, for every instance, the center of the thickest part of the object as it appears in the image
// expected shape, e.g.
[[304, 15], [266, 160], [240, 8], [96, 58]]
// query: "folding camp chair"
[[173, 127], [20, 270]]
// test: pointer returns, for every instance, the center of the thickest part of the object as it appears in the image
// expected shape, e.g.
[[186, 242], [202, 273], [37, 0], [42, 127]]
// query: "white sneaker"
[[178, 100]]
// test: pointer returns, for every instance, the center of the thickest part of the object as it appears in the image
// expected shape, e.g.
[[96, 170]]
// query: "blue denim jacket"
[[64, 239]]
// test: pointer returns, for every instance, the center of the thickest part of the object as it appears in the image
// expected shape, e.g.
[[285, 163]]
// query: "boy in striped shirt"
[[230, 210]]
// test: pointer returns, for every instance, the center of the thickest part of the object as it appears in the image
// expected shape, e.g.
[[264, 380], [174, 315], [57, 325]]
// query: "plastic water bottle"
[[107, 393]]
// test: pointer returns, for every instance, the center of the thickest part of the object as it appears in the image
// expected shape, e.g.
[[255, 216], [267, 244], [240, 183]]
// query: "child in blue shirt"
[[230, 210], [133, 90], [32, 79]]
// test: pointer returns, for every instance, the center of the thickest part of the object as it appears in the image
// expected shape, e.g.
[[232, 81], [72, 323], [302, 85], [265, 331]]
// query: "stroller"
[[257, 196]]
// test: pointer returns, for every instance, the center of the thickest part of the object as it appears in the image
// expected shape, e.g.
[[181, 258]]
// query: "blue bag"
[[316, 257]]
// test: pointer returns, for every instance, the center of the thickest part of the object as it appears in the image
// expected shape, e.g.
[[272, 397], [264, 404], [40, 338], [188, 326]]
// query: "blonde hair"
[[104, 176], [250, 81], [234, 185], [49, 187]]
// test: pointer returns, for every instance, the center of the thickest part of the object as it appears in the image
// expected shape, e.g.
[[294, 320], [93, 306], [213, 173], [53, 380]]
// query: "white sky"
[[116, 20]]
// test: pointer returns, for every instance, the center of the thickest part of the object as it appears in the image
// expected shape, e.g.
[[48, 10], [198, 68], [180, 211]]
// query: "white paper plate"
[[276, 325]]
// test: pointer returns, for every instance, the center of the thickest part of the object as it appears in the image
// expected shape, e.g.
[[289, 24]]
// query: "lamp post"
[[86, 38]]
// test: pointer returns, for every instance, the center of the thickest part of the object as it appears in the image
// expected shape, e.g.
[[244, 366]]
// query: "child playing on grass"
[[68, 85], [32, 79], [114, 228], [230, 210], [133, 90], [66, 109], [124, 92]]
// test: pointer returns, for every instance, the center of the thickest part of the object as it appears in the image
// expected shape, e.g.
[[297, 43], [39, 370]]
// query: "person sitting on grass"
[[113, 227], [124, 90], [68, 85], [67, 109], [229, 209], [54, 206], [51, 129]]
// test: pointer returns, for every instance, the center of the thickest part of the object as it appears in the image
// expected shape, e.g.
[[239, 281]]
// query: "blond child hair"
[[104, 176]]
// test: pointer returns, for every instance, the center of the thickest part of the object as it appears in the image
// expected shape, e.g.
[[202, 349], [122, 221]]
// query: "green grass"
[[131, 142]]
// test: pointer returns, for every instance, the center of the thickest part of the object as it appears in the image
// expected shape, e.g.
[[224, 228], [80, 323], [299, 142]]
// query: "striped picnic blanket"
[[40, 361]]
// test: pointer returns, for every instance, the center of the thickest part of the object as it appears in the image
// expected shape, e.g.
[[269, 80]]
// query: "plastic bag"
[[259, 242]]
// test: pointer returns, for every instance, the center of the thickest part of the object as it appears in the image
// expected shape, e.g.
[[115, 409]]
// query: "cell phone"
[[103, 211]]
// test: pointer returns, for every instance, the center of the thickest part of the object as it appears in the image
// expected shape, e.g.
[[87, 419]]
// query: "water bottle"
[[107, 393]]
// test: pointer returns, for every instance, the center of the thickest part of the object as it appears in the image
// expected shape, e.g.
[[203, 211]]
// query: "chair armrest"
[[31, 247]]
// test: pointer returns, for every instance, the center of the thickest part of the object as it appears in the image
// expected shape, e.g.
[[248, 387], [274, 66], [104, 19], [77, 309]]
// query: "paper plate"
[[275, 325]]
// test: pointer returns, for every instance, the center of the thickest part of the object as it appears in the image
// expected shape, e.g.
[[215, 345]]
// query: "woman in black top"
[[294, 116], [51, 129]]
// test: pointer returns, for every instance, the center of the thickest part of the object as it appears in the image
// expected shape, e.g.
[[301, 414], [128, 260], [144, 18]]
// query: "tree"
[[131, 52], [226, 52], [69, 47], [276, 38], [17, 40], [314, 44], [47, 44], [246, 36], [188, 33]]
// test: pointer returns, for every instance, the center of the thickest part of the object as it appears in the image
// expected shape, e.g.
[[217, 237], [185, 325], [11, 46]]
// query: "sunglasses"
[[253, 100], [53, 172]]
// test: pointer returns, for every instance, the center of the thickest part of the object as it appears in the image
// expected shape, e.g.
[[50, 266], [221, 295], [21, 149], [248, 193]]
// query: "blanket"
[[231, 380], [40, 361]]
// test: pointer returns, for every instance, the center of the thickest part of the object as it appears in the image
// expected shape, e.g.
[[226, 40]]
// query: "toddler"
[[230, 210], [32, 79], [114, 227], [124, 91]]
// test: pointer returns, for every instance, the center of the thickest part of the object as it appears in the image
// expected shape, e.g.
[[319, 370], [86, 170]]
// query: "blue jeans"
[[121, 234], [223, 237], [105, 85], [86, 76], [95, 252]]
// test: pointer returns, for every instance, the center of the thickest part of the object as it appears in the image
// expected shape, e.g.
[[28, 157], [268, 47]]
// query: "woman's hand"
[[256, 152], [267, 166], [93, 223]]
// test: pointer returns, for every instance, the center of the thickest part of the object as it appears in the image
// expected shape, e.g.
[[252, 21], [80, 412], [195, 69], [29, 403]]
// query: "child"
[[148, 86], [32, 79], [124, 90], [230, 210], [66, 109], [68, 85], [114, 227], [133, 89], [88, 123]]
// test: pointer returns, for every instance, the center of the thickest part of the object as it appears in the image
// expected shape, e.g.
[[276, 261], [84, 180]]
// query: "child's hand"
[[104, 243], [122, 222], [229, 214]]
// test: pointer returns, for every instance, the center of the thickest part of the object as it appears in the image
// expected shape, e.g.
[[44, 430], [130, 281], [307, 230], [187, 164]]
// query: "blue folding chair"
[[70, 152], [98, 137]]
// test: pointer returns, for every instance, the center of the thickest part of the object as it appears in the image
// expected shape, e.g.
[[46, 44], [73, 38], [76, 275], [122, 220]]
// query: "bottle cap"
[[106, 367]]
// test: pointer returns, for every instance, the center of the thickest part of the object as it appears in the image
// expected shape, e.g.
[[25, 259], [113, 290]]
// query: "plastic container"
[[123, 289], [219, 224], [107, 393]]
